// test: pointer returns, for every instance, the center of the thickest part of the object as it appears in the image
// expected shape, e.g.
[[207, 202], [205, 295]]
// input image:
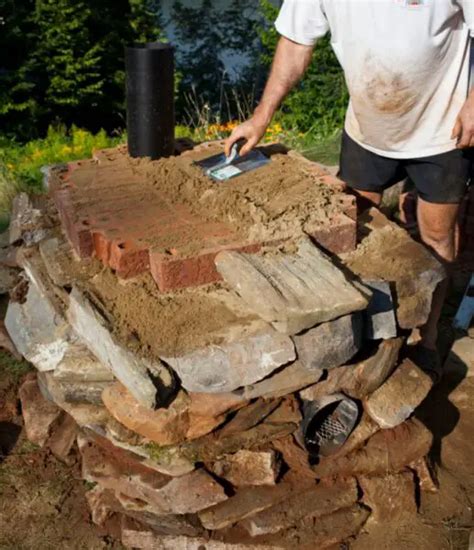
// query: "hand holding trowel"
[[222, 168]]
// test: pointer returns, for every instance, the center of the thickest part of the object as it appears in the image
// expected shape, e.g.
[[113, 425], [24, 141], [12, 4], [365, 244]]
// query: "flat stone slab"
[[141, 538], [187, 417], [80, 365], [290, 379], [386, 451], [327, 531], [182, 495], [388, 253], [360, 379], [380, 321], [293, 291], [398, 398], [246, 502], [149, 382], [40, 416], [39, 333], [247, 468], [311, 503], [74, 392], [226, 367], [331, 344], [390, 497]]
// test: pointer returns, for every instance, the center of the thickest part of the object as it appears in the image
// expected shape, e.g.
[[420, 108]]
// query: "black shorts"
[[439, 179]]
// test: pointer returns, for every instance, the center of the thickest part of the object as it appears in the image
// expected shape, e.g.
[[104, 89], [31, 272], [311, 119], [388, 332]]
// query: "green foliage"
[[23, 162], [71, 62], [12, 369], [205, 34], [318, 105]]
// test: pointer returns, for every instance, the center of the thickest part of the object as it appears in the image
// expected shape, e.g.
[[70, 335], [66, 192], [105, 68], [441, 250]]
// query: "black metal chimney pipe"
[[150, 99]]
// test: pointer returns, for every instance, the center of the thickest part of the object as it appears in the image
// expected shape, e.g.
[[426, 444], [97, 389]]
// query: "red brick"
[[339, 237], [333, 182], [128, 259], [77, 230], [350, 206], [172, 272]]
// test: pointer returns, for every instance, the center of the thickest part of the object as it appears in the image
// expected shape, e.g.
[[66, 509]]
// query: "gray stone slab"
[[361, 379], [73, 392], [226, 367], [80, 365], [380, 321], [149, 382], [387, 252], [39, 333], [331, 344], [288, 380], [293, 291]]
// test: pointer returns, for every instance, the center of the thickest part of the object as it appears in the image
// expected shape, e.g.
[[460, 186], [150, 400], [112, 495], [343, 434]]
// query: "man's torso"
[[406, 67]]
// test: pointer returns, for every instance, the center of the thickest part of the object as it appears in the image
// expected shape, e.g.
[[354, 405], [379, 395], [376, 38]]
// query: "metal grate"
[[329, 429]]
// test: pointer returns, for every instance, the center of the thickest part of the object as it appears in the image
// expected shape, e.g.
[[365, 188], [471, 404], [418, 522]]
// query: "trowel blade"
[[221, 168]]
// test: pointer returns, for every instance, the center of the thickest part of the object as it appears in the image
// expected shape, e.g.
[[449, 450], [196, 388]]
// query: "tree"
[[72, 64], [206, 34]]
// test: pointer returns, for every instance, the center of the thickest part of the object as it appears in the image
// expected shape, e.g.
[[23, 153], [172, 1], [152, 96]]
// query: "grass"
[[13, 369]]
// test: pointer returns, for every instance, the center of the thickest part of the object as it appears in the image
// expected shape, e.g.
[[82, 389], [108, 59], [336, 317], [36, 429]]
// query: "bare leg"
[[437, 223], [370, 197]]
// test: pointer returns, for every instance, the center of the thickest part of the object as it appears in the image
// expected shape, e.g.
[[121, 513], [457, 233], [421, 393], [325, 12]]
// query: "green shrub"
[[22, 163], [318, 104]]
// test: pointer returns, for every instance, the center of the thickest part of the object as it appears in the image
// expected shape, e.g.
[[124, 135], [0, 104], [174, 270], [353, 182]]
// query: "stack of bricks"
[[205, 446], [108, 209]]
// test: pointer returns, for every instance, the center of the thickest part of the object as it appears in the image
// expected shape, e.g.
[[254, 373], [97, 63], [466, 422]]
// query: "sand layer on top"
[[279, 200]]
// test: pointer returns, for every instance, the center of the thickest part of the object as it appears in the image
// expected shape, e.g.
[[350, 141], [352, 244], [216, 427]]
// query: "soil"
[[42, 501], [383, 247], [277, 201], [156, 324]]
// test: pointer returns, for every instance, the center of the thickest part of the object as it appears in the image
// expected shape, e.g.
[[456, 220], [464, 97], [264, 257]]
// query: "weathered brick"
[[339, 237], [172, 271]]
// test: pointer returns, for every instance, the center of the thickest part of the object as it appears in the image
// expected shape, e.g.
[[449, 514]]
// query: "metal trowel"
[[222, 168]]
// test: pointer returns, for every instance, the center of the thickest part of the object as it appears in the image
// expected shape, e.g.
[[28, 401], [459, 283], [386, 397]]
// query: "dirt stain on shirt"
[[388, 91]]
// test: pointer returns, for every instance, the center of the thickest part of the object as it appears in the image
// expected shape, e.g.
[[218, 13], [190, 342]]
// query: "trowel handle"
[[234, 152]]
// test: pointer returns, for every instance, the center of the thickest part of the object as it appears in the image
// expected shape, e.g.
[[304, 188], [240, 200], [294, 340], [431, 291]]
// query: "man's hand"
[[463, 130], [251, 131]]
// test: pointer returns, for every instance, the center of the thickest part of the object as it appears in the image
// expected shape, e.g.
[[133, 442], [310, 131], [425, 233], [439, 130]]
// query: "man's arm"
[[289, 65]]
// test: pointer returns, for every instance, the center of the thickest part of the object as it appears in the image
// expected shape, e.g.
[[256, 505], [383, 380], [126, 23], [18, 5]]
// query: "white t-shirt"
[[406, 64]]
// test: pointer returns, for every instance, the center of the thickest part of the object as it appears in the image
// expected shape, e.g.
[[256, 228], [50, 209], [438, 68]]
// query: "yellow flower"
[[10, 166], [66, 150]]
